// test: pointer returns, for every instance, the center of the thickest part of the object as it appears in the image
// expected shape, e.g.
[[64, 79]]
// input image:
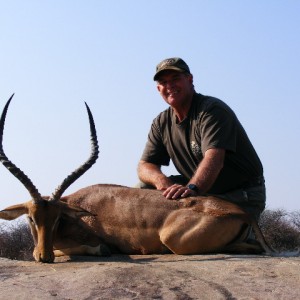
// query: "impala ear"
[[74, 211], [13, 212]]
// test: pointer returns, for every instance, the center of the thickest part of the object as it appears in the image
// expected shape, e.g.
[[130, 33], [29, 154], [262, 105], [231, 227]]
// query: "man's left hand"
[[177, 191]]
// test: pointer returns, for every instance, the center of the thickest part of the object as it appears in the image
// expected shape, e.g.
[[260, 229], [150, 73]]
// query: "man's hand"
[[177, 191]]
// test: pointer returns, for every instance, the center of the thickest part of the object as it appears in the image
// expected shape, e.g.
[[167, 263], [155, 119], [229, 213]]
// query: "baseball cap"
[[174, 63]]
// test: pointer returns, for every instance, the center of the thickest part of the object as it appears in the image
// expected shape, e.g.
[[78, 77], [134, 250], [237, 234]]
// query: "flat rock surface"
[[153, 277]]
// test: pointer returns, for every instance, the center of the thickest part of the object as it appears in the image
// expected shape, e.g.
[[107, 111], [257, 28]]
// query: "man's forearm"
[[204, 177], [209, 169], [151, 174]]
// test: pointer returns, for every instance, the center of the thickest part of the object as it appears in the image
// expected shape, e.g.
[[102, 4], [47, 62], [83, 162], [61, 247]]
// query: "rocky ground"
[[153, 277]]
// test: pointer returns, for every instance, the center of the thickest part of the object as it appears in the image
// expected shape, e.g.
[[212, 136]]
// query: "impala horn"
[[36, 196], [84, 167]]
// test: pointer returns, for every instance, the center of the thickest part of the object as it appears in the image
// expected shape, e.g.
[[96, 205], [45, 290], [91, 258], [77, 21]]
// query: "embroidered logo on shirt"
[[196, 149]]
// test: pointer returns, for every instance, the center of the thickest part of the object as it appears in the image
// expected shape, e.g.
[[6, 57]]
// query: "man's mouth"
[[173, 93]]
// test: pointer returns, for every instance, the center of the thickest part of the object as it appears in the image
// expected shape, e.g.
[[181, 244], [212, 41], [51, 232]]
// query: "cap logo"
[[167, 62]]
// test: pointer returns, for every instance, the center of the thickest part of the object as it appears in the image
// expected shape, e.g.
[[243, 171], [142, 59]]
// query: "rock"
[[153, 277]]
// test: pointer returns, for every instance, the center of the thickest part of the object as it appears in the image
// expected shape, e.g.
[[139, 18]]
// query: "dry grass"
[[15, 240], [281, 229]]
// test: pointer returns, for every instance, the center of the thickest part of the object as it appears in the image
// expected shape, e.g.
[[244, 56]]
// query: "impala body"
[[101, 219]]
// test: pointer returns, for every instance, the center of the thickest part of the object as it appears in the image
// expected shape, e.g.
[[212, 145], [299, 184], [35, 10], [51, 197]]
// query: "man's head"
[[175, 83], [175, 64]]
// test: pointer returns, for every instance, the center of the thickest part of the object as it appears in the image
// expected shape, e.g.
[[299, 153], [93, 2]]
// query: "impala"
[[101, 219]]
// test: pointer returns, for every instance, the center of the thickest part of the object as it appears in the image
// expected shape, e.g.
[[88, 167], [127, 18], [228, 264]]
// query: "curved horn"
[[83, 168], [36, 197]]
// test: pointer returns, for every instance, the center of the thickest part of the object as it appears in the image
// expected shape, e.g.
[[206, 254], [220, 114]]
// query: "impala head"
[[44, 212]]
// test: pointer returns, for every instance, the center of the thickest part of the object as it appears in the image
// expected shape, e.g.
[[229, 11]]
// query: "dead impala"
[[102, 218]]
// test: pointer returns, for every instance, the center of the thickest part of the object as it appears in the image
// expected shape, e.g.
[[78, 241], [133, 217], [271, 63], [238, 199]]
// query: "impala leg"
[[73, 237], [191, 234], [100, 250]]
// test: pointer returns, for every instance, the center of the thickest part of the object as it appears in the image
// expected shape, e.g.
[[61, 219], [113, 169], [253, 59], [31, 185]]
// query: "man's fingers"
[[170, 191], [177, 191]]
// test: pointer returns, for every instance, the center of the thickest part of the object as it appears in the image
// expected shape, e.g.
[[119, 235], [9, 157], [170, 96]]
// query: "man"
[[206, 142]]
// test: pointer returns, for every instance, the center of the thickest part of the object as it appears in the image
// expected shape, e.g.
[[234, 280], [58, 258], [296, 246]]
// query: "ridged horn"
[[84, 167], [36, 197]]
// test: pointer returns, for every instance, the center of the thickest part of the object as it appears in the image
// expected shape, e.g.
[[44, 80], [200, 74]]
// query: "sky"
[[57, 54]]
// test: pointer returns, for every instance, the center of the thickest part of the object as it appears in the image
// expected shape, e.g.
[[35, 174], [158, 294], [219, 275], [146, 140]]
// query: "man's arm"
[[151, 174], [204, 177]]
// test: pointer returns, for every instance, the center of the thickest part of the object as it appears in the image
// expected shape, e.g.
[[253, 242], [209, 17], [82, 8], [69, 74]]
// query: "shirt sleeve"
[[218, 129], [155, 152]]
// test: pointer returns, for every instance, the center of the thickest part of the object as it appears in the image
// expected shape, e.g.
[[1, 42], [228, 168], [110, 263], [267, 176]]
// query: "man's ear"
[[14, 211]]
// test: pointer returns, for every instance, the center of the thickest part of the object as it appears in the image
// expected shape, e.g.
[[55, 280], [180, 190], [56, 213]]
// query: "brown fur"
[[132, 221]]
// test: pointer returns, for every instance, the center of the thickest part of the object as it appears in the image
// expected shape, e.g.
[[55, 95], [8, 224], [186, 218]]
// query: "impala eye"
[[30, 219]]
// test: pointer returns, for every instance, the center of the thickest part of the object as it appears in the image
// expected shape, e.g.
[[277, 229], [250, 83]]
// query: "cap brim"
[[166, 69]]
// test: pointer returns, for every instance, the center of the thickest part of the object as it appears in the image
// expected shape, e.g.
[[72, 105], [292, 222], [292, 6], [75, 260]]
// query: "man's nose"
[[170, 83]]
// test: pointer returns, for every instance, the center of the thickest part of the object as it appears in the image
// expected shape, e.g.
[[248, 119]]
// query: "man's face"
[[176, 88]]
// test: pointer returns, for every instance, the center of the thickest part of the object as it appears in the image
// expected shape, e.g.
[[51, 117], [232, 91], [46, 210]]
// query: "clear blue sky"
[[57, 54]]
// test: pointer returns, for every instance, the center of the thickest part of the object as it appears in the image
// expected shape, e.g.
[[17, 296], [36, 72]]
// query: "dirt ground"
[[153, 277]]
